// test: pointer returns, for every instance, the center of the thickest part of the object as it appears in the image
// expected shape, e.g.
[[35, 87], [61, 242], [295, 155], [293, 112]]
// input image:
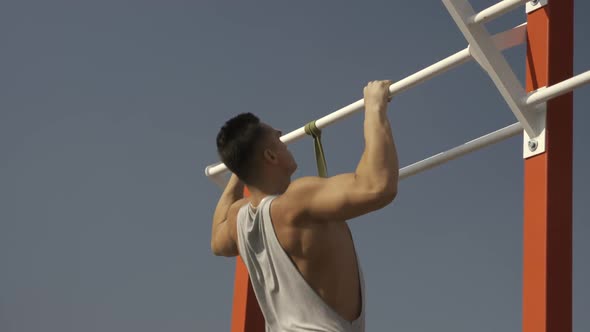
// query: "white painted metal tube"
[[476, 144], [545, 94], [399, 86], [406, 83], [496, 10], [504, 40]]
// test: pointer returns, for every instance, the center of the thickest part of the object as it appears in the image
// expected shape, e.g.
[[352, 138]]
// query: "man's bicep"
[[337, 198]]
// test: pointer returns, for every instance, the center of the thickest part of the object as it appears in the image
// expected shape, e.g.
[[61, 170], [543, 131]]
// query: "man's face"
[[284, 157]]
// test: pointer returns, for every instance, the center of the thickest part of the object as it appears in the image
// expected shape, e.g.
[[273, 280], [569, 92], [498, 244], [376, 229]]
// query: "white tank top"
[[287, 301]]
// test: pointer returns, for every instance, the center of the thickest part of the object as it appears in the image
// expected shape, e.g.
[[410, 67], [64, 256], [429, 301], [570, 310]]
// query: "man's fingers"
[[388, 83]]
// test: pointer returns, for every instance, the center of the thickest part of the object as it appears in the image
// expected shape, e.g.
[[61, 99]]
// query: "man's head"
[[253, 151]]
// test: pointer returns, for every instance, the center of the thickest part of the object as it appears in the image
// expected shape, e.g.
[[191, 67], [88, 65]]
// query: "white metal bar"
[[545, 94], [495, 11], [476, 144], [423, 75], [503, 40], [510, 38]]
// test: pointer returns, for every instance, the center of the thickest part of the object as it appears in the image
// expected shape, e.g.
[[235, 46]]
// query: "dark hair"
[[236, 143]]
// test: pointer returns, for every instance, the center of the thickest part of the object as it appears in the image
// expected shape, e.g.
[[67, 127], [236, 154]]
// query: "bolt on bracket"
[[533, 146], [533, 5]]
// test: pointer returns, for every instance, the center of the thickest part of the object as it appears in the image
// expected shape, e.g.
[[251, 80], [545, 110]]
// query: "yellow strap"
[[312, 130]]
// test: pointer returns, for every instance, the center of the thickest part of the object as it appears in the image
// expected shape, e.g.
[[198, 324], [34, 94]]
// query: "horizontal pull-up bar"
[[496, 10], [503, 40], [550, 92], [476, 144]]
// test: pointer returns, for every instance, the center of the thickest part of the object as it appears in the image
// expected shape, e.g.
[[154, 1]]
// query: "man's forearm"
[[379, 164], [222, 242], [233, 192]]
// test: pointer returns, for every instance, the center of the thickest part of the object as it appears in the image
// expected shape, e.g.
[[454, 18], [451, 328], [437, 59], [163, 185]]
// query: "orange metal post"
[[547, 259], [246, 314]]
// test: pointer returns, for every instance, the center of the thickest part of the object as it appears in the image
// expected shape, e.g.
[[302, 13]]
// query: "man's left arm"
[[223, 233]]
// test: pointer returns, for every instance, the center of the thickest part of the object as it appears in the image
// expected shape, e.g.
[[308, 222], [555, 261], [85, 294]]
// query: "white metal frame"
[[529, 108], [493, 62]]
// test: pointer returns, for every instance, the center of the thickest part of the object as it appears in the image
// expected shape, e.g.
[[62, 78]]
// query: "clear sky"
[[108, 116]]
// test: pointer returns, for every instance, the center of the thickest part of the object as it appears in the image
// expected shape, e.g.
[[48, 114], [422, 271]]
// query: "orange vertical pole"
[[547, 259], [246, 314]]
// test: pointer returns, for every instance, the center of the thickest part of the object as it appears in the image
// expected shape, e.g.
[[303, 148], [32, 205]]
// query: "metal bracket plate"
[[533, 146], [533, 5]]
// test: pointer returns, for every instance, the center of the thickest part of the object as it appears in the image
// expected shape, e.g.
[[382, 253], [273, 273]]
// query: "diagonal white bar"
[[476, 144], [493, 62], [503, 40], [495, 11], [544, 94]]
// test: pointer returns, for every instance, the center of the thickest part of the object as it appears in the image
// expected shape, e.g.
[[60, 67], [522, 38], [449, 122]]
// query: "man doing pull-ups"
[[293, 236]]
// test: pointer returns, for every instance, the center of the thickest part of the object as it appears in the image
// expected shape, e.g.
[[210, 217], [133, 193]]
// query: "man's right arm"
[[374, 183]]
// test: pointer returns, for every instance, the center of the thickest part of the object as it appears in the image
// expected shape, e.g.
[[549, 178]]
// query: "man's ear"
[[270, 156]]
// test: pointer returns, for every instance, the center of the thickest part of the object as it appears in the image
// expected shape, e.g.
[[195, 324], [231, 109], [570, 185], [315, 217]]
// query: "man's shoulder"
[[300, 188], [289, 208], [284, 209]]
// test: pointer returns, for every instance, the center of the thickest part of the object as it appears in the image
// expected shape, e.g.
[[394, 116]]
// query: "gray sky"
[[108, 116]]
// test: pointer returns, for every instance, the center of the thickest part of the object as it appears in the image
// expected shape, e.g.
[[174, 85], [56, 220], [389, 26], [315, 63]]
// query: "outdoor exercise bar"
[[476, 144], [503, 40], [544, 94]]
